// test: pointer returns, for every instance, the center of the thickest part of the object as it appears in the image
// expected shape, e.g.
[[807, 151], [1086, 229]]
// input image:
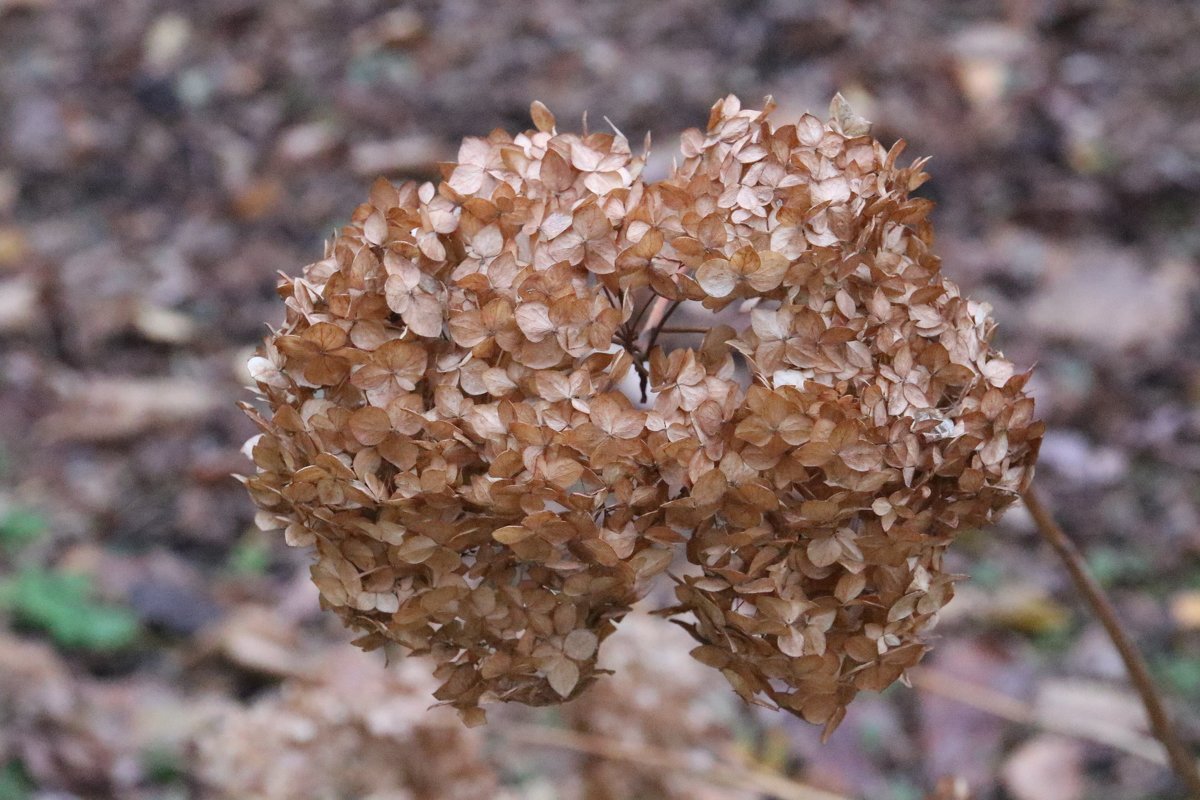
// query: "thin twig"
[[643, 374], [984, 698], [971, 694], [684, 330], [610, 297], [637, 317], [735, 776], [659, 327], [658, 307], [628, 339], [1182, 762]]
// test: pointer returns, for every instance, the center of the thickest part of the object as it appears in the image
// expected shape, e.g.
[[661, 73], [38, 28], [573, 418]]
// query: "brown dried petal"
[[717, 277]]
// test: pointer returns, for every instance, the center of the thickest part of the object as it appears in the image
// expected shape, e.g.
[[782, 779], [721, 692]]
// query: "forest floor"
[[161, 161]]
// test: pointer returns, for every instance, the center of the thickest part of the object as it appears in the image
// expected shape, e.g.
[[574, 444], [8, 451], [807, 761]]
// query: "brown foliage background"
[[159, 162]]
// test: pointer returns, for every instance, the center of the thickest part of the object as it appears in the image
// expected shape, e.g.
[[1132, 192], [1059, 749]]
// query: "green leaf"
[[163, 765], [987, 574], [1111, 566], [251, 555], [14, 784], [20, 527], [1181, 674], [62, 605]]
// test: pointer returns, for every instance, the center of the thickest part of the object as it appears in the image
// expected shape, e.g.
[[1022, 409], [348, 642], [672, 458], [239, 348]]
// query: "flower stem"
[[683, 330], [659, 323], [1182, 761]]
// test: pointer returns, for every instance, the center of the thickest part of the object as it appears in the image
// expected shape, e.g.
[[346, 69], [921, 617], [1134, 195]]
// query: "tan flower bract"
[[451, 423]]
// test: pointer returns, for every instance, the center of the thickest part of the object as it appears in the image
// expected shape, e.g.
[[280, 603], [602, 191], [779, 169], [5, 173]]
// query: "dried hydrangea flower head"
[[472, 421], [878, 421]]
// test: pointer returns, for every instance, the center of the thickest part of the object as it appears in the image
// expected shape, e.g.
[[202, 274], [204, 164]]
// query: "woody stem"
[[1182, 761], [628, 339], [661, 320]]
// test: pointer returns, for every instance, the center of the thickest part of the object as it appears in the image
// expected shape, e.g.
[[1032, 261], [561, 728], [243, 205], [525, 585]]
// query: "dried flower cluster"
[[451, 424]]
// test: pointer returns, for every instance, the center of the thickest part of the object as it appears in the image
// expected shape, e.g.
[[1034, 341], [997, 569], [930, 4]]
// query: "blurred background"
[[161, 161]]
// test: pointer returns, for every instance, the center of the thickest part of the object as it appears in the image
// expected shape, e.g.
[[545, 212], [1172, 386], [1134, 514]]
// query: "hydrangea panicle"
[[451, 428]]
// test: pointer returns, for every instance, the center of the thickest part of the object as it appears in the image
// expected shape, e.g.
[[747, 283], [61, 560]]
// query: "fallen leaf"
[[108, 409], [408, 154], [260, 640], [1185, 609], [1113, 307], [1046, 767], [18, 304]]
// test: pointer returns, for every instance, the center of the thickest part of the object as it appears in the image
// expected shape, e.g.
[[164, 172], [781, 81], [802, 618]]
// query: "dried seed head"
[[449, 425]]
